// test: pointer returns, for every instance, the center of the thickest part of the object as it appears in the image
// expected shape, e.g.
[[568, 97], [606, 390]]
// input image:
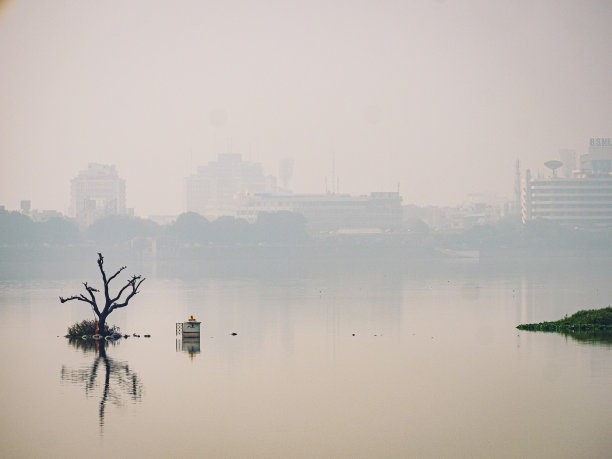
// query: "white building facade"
[[95, 193], [216, 189], [583, 200]]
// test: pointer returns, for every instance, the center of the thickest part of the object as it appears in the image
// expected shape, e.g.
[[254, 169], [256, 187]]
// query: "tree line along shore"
[[581, 321], [190, 229]]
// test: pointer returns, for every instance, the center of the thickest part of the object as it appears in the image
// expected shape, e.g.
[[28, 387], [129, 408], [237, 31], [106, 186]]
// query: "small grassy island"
[[596, 320], [89, 329]]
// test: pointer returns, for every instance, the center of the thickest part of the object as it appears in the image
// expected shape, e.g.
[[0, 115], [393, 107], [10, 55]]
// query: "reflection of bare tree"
[[118, 381]]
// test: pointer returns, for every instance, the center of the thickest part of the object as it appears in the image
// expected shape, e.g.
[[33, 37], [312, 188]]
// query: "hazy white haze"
[[440, 97]]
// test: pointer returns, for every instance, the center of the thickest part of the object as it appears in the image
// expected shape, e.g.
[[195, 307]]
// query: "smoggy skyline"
[[440, 97]]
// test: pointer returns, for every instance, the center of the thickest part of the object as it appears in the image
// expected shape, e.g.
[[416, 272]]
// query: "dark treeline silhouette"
[[118, 229], [287, 228], [510, 233], [282, 227], [19, 229]]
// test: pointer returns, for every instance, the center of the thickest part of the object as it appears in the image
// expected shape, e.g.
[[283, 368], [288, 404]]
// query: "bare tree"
[[110, 303]]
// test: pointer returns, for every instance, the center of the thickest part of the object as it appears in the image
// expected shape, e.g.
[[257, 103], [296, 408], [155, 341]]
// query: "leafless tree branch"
[[93, 303], [134, 282], [116, 274], [80, 297]]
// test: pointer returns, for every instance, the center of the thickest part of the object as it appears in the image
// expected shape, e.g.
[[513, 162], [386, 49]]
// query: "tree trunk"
[[102, 323]]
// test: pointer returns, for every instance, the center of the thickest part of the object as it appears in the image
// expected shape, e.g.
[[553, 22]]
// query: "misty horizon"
[[438, 97]]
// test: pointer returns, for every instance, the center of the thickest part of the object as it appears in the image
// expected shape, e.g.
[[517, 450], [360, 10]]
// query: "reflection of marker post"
[[191, 346]]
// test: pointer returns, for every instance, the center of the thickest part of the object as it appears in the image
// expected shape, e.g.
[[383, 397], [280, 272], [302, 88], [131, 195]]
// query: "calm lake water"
[[337, 363]]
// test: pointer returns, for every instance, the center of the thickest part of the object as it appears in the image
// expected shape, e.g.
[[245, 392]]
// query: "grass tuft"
[[88, 327]]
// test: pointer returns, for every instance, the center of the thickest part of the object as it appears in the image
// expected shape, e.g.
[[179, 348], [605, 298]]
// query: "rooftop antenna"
[[553, 166]]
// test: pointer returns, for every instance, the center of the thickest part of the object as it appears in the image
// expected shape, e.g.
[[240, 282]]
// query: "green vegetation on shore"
[[586, 320]]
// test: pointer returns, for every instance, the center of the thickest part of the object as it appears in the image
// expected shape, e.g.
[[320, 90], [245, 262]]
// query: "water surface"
[[343, 363]]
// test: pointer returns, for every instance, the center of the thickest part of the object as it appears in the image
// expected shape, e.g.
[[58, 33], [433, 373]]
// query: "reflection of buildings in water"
[[118, 380], [189, 345]]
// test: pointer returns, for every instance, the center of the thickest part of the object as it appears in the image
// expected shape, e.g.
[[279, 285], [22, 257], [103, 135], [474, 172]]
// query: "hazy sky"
[[439, 96]]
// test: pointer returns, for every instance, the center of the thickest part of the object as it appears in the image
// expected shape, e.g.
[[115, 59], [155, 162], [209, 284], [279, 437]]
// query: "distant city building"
[[96, 193], [568, 158], [26, 206], [599, 158], [583, 200], [472, 213], [216, 189], [36, 215], [331, 213], [45, 215]]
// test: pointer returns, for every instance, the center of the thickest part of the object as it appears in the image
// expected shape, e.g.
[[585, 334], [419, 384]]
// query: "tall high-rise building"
[[214, 191], [97, 192]]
